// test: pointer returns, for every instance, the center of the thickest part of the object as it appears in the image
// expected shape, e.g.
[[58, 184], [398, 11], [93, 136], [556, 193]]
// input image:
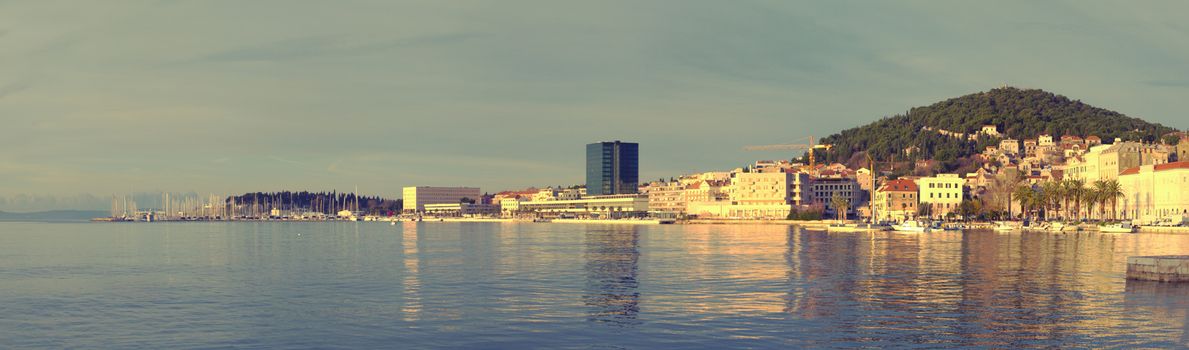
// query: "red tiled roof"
[[899, 185], [1130, 171], [1171, 166]]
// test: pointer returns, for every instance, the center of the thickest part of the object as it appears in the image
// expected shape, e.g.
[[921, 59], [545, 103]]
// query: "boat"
[[1036, 226], [856, 227], [911, 226], [1006, 226], [1121, 227], [843, 228], [942, 226]]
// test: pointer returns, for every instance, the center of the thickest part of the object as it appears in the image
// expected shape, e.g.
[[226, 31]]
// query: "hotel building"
[[612, 168], [1154, 191], [415, 198], [756, 196], [601, 207]]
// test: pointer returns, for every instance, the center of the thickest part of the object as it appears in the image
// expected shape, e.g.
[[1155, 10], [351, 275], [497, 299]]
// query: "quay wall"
[[1160, 268]]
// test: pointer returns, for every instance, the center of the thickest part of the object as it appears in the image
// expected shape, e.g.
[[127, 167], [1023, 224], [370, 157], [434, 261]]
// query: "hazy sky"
[[228, 96]]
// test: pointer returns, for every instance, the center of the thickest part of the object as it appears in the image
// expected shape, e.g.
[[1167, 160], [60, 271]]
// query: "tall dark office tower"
[[612, 168]]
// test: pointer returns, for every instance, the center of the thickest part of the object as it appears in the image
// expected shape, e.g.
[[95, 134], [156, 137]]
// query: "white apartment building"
[[768, 188], [510, 205], [1009, 146], [1045, 140], [667, 197], [1154, 191], [707, 190], [1105, 162], [605, 207], [754, 196], [461, 209], [943, 193], [415, 198], [825, 189]]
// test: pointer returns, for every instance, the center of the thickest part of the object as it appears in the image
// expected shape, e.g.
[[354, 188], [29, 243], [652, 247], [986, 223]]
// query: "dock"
[[614, 221], [1161, 268]]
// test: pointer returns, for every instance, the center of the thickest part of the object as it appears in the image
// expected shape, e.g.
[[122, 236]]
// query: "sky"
[[111, 97]]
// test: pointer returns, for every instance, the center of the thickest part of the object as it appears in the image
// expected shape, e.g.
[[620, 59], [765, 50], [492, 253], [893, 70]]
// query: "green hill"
[[1018, 113]]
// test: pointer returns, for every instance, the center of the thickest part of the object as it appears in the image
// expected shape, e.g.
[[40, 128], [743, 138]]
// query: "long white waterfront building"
[[415, 198]]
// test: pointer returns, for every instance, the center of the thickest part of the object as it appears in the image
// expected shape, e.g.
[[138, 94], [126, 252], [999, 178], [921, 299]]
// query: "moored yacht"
[[911, 226], [1120, 227], [1006, 226]]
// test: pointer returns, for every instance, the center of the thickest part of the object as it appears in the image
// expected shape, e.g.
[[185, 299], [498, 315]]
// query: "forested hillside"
[[1018, 113]]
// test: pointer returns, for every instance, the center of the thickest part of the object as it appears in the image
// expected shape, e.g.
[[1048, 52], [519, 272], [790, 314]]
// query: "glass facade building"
[[612, 168]]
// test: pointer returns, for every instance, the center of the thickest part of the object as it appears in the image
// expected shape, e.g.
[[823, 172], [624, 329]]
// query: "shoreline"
[[810, 224]]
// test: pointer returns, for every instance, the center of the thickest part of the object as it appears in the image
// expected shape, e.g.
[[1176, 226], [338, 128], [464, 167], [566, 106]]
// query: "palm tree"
[[1061, 200], [840, 205], [1026, 196], [1068, 190], [1051, 194], [1113, 190], [1077, 189], [1099, 189]]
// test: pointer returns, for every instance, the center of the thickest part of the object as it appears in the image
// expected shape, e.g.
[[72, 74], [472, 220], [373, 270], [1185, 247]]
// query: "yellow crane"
[[809, 145]]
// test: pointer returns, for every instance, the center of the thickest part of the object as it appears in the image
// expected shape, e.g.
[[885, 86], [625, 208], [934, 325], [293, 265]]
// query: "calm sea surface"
[[492, 285]]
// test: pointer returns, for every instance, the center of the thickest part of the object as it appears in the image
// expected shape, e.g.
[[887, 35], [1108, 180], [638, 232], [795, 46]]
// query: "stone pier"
[[1162, 268]]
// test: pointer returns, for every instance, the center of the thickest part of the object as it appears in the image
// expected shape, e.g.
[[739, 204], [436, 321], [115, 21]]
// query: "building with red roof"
[[897, 200]]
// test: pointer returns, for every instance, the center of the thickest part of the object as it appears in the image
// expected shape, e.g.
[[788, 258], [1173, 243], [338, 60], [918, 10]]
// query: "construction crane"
[[808, 146]]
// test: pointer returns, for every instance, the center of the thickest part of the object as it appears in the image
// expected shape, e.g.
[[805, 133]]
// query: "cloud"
[[504, 94], [12, 88], [327, 46], [289, 161]]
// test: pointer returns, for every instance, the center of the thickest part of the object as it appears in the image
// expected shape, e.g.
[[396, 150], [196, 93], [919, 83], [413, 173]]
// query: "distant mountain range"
[[53, 215], [1017, 113]]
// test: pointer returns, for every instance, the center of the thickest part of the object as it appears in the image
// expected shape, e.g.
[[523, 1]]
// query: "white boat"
[[1036, 226], [1122, 227], [911, 227], [856, 227], [1006, 226], [843, 228]]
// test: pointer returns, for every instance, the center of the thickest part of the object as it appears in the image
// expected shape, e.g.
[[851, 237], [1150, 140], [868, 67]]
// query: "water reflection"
[[449, 285], [972, 289], [612, 256], [411, 308], [1160, 302]]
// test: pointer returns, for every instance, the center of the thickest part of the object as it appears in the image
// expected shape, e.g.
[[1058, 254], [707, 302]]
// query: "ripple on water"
[[446, 285]]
